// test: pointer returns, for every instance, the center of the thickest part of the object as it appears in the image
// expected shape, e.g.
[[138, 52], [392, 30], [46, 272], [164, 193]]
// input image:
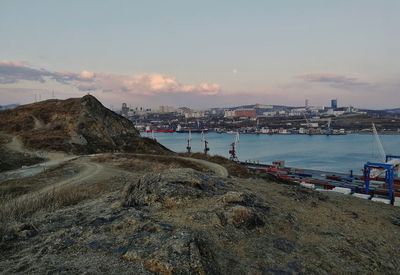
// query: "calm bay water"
[[329, 153]]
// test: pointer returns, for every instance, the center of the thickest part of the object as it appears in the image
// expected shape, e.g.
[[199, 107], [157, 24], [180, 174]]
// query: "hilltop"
[[136, 208], [76, 125]]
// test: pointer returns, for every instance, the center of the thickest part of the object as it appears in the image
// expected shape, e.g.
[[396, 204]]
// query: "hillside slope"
[[77, 125], [148, 215]]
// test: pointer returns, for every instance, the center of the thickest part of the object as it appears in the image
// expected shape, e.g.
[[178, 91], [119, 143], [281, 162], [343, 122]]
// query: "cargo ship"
[[180, 129], [159, 130]]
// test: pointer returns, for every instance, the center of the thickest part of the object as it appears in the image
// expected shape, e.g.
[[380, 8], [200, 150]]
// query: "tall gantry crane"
[[233, 152]]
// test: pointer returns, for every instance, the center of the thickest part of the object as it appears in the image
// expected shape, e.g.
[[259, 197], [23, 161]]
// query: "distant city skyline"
[[202, 54]]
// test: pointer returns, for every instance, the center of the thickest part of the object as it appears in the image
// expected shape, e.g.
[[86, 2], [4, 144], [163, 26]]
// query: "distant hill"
[[251, 106], [77, 125], [8, 107], [393, 111]]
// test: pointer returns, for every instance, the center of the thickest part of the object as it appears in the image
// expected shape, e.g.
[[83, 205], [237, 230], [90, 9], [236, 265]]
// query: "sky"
[[202, 54]]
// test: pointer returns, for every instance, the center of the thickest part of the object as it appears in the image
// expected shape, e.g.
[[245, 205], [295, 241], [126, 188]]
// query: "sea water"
[[328, 153]]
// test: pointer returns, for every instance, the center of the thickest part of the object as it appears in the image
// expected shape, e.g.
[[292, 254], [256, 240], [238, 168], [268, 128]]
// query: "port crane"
[[204, 140], [307, 125], [383, 157], [232, 152], [379, 143], [328, 130], [388, 166], [189, 142]]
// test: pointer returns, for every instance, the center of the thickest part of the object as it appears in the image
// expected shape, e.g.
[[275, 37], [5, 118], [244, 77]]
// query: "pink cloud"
[[87, 75], [151, 84], [144, 84], [336, 80]]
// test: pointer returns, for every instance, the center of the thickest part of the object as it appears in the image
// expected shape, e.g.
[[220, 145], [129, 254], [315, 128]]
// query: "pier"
[[350, 183]]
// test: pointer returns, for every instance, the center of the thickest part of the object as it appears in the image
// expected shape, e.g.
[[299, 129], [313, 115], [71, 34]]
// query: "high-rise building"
[[334, 103], [124, 109]]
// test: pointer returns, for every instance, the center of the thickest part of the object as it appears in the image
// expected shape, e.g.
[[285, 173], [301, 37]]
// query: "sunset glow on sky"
[[202, 53]]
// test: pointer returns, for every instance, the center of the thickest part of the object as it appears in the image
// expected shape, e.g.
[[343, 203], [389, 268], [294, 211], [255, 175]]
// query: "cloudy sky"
[[202, 53]]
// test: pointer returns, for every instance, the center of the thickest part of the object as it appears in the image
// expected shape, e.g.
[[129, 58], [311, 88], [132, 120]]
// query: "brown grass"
[[16, 187], [13, 160], [234, 169], [148, 163], [170, 203], [19, 209], [4, 139]]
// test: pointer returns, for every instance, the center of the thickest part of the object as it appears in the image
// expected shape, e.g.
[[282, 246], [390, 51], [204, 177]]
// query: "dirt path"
[[219, 170], [54, 159], [16, 145], [90, 170], [33, 170]]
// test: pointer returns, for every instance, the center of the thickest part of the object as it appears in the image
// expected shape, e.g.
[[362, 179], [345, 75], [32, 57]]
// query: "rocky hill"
[[77, 125], [135, 214], [166, 213]]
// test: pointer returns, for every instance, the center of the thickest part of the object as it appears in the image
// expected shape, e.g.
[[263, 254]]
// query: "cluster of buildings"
[[130, 112], [256, 118], [257, 110], [283, 111], [252, 112]]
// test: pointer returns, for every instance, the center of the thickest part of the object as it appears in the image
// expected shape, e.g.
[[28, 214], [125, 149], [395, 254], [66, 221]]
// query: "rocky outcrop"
[[173, 187], [183, 221], [173, 249], [78, 125]]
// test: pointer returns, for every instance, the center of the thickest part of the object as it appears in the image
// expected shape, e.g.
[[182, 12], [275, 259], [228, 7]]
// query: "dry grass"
[[170, 203], [233, 168], [17, 187], [19, 209], [13, 160], [4, 139], [148, 163]]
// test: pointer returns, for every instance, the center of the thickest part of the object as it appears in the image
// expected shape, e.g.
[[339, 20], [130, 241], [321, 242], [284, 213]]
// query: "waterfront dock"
[[329, 181]]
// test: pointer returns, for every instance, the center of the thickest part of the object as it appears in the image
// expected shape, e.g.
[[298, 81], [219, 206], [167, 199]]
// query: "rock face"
[[176, 186], [79, 125], [171, 248]]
